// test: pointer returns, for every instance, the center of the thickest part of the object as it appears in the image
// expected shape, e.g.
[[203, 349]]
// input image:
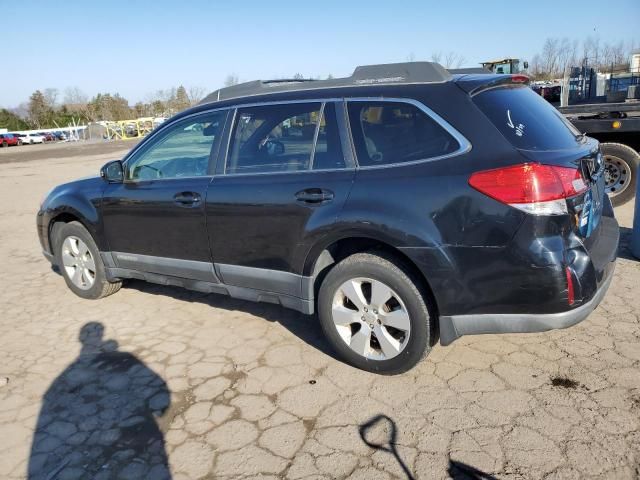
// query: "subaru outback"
[[403, 204]]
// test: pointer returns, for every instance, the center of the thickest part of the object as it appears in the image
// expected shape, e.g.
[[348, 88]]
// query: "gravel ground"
[[157, 382]]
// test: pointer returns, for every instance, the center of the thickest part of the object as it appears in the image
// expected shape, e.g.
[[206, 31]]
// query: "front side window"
[[273, 138], [182, 150], [386, 133]]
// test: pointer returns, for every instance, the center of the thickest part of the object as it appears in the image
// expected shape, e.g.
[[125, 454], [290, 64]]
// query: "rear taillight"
[[531, 187]]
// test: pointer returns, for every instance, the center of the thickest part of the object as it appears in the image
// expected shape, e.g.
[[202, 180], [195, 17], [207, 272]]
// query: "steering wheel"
[[271, 147]]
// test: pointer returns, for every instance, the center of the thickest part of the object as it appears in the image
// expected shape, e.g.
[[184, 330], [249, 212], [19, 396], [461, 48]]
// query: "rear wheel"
[[621, 171], [374, 314], [80, 263]]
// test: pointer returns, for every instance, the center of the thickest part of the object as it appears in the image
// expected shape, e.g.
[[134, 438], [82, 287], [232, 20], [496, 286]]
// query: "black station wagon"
[[403, 204]]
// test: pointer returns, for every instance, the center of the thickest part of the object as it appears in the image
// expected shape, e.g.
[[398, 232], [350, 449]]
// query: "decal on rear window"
[[518, 128]]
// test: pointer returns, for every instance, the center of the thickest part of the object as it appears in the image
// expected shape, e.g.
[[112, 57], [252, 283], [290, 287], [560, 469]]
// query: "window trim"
[[152, 139], [464, 144], [348, 156]]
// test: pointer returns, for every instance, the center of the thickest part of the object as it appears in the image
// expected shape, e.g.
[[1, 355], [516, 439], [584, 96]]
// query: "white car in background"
[[31, 139]]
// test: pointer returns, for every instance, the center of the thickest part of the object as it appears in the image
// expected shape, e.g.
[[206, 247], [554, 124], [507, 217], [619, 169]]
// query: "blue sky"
[[137, 47]]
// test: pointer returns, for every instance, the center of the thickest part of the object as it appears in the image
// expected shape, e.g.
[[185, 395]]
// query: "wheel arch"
[[331, 251], [69, 208]]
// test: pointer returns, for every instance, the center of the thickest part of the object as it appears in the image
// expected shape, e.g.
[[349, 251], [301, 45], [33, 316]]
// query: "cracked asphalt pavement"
[[157, 382]]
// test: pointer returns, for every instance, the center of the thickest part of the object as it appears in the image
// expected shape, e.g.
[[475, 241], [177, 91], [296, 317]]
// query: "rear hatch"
[[543, 136]]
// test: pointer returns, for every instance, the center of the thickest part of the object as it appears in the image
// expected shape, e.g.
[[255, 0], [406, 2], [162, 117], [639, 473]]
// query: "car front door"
[[287, 174], [154, 220]]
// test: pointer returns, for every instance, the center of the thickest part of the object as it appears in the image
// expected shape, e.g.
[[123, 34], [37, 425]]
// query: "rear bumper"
[[456, 326]]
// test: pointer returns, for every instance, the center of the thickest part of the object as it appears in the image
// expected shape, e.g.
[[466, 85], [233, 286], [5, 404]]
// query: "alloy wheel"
[[371, 318], [78, 263]]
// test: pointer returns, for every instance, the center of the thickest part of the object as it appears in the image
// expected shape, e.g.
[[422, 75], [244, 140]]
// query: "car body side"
[[473, 255]]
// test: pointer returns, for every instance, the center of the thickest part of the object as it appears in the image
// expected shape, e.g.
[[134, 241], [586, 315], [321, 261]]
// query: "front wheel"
[[374, 314], [621, 172], [80, 263]]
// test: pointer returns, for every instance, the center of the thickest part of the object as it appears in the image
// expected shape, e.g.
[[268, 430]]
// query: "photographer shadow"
[[99, 417]]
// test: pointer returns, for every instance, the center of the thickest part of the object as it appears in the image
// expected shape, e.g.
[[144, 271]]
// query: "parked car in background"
[[48, 136], [410, 202], [60, 135], [9, 140], [31, 138]]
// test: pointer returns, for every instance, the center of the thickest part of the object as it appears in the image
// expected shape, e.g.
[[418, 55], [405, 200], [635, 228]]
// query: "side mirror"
[[113, 172], [525, 65]]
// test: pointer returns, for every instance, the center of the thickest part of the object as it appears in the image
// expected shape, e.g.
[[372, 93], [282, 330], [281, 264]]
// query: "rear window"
[[526, 119]]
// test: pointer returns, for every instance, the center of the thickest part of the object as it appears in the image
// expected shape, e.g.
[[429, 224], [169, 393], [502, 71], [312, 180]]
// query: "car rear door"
[[287, 174], [154, 221]]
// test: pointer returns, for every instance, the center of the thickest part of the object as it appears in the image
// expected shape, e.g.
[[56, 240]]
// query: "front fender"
[[68, 203]]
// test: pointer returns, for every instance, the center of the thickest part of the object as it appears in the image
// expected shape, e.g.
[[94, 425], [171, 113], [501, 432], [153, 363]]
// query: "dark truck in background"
[[617, 127]]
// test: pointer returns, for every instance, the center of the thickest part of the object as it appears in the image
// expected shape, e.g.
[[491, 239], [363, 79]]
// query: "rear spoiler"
[[476, 83]]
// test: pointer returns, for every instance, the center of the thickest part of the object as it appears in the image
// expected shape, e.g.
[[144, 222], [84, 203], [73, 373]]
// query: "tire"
[[4, 145], [621, 164], [68, 235], [406, 297]]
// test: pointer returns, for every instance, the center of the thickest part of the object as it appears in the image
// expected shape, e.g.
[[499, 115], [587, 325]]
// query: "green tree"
[[109, 107], [39, 111], [181, 101], [11, 121], [158, 108]]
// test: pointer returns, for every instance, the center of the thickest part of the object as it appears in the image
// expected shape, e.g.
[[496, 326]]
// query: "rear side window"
[[387, 133], [273, 138], [526, 119]]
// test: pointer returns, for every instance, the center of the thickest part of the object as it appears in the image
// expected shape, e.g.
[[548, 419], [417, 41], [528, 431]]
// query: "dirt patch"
[[564, 382]]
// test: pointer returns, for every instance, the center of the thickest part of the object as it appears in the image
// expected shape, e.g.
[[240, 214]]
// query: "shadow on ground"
[[624, 246], [380, 433], [99, 417], [305, 327]]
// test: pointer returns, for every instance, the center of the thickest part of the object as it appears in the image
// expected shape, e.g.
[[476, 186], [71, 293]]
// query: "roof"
[[384, 74]]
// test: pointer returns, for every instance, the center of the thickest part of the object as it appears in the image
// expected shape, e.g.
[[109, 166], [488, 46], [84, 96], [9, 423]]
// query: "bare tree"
[[22, 110], [51, 97], [549, 56], [591, 50], [74, 96], [453, 60], [232, 79], [436, 57], [567, 54], [196, 94]]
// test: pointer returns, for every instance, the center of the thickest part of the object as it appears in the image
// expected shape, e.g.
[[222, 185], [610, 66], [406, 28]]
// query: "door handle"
[[186, 199], [314, 195]]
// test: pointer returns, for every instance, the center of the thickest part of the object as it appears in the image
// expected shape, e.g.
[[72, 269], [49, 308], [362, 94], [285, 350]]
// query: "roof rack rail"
[[384, 74], [468, 70]]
